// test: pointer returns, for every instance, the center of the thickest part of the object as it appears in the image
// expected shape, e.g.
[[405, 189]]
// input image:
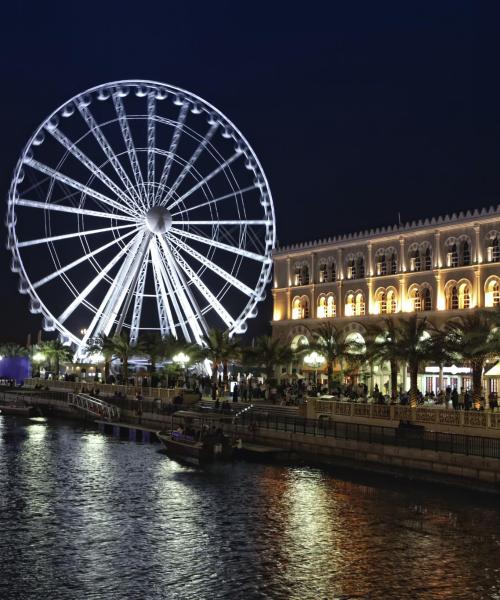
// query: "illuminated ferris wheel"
[[138, 206]]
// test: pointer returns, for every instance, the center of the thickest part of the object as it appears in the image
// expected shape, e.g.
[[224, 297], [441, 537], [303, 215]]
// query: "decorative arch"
[[492, 291], [355, 303], [493, 246], [300, 307], [420, 297], [458, 294], [386, 300], [299, 336], [355, 265], [301, 273], [327, 269], [327, 307]]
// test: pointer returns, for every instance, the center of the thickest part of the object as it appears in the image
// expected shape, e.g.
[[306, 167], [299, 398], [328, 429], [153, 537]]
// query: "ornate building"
[[441, 267]]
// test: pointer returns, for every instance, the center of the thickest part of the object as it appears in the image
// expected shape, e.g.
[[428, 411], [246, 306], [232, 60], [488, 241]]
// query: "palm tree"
[[57, 351], [122, 349], [268, 353], [104, 345], [473, 339], [11, 349], [219, 348], [381, 347], [153, 346], [329, 342]]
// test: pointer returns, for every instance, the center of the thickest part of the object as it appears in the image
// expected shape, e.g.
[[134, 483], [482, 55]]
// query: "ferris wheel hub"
[[158, 220]]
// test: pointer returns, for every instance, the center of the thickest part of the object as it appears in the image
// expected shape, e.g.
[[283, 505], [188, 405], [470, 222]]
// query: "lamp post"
[[182, 360], [314, 360]]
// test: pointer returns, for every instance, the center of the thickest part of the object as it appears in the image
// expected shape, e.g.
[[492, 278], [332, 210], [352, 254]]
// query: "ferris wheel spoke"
[[66, 236], [203, 289], [172, 293], [151, 145], [129, 143], [205, 180], [85, 189], [188, 303], [72, 209], [191, 162], [103, 320], [164, 312], [91, 166], [215, 200], [225, 222], [129, 288], [139, 297], [216, 244], [176, 136], [99, 277], [80, 260], [214, 267], [108, 151]]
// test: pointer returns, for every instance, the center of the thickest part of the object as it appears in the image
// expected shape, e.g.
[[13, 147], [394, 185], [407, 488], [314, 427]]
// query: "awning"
[[494, 371]]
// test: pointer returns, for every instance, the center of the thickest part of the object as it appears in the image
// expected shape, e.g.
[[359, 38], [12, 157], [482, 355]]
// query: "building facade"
[[440, 267]]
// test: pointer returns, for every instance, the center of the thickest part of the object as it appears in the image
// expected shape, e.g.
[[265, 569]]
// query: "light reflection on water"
[[83, 515]]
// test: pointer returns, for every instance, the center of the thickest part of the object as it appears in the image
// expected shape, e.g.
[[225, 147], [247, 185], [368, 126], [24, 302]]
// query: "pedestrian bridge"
[[94, 406]]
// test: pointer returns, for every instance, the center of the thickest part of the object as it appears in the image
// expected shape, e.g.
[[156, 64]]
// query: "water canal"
[[88, 516]]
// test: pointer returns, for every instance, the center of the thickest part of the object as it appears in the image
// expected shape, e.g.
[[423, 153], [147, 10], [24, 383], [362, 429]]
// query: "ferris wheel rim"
[[14, 244]]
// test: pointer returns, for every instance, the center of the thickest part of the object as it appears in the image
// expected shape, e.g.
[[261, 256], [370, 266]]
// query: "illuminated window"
[[351, 269], [360, 267], [463, 296], [428, 259], [301, 275], [381, 265], [391, 302], [321, 313], [492, 295], [393, 264], [349, 306], [359, 306], [465, 253], [382, 303], [300, 308], [331, 309], [426, 299], [452, 256], [452, 298], [493, 250], [323, 273], [415, 262]]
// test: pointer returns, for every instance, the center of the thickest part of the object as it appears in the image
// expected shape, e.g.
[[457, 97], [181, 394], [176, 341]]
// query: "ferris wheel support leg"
[[137, 310], [168, 279], [164, 312], [182, 290]]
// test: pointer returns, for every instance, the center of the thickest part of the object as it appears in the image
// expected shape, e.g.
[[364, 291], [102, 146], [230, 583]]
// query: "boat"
[[196, 447], [16, 410]]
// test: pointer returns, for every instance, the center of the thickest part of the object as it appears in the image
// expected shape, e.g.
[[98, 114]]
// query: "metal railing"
[[454, 443], [420, 415], [94, 406]]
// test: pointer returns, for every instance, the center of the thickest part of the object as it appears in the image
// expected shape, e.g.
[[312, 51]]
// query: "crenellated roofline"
[[422, 224]]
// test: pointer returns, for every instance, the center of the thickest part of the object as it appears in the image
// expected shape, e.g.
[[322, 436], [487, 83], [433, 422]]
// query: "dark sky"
[[357, 110]]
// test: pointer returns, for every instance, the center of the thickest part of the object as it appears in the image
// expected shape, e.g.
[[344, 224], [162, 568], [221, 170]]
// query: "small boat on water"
[[196, 447], [17, 410]]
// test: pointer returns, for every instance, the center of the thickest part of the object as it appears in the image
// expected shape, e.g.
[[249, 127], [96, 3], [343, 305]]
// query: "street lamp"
[[181, 359], [314, 360]]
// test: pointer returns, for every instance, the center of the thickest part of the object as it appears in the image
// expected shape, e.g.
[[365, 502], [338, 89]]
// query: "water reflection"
[[83, 515]]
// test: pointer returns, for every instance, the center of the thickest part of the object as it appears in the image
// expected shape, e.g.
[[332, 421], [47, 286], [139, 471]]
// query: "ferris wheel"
[[138, 206]]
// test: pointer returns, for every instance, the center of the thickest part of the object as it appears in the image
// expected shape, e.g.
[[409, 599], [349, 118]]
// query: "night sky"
[[357, 110]]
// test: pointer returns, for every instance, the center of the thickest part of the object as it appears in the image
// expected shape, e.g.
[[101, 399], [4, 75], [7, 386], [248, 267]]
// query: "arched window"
[[333, 272], [351, 269], [331, 309], [415, 263], [464, 296], [427, 259], [323, 272], [300, 308], [393, 264], [391, 302], [452, 256], [382, 303], [360, 267], [301, 276], [426, 299], [452, 297], [349, 308], [416, 300], [359, 308], [321, 312], [465, 253], [493, 249], [381, 265], [492, 295]]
